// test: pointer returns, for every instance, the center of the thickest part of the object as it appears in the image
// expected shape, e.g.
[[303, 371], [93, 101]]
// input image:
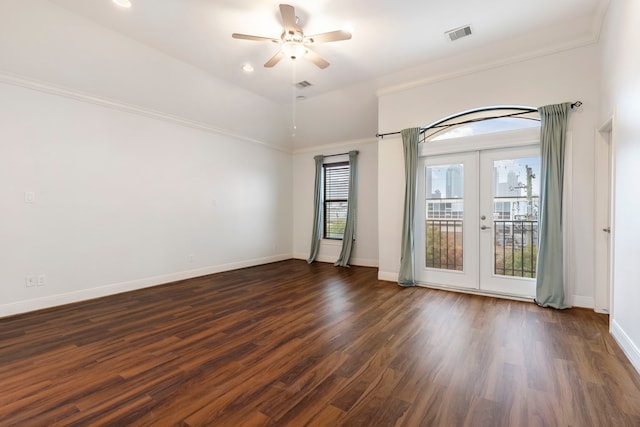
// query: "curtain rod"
[[334, 155], [422, 130]]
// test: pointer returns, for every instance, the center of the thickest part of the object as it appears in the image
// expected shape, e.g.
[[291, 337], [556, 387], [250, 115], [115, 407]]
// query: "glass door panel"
[[477, 220], [444, 200], [446, 249], [510, 196]]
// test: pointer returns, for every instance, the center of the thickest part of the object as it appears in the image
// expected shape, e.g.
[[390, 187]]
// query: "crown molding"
[[585, 41], [337, 145], [600, 18], [52, 89]]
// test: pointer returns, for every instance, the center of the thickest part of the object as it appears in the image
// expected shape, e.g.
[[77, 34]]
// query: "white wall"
[[344, 115], [144, 169], [561, 77], [122, 201], [621, 99], [365, 250], [44, 42]]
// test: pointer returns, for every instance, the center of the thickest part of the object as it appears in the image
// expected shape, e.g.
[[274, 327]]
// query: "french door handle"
[[484, 227]]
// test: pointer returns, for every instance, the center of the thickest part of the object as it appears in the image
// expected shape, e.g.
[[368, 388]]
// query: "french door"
[[477, 220]]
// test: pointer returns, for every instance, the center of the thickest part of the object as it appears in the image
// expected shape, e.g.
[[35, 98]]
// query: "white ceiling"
[[390, 38]]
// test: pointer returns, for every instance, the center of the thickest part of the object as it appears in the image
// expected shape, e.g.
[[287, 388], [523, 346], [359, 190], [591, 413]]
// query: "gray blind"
[[336, 195], [336, 182]]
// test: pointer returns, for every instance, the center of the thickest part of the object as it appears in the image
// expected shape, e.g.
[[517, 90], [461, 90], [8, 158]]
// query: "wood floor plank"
[[292, 344]]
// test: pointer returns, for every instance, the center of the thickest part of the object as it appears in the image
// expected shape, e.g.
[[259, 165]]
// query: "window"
[[489, 120], [336, 197], [501, 210], [445, 210], [499, 124]]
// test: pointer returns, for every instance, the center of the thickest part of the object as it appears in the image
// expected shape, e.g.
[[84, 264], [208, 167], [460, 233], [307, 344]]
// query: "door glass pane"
[[444, 204], [516, 190]]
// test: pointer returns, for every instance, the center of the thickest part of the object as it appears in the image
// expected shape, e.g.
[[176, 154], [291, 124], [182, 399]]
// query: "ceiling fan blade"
[[316, 59], [274, 59], [255, 38], [332, 36], [288, 19]]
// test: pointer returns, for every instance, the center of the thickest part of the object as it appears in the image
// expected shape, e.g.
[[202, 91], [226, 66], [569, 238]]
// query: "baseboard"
[[387, 276], [576, 300], [480, 292], [362, 262], [629, 348], [19, 307], [581, 301]]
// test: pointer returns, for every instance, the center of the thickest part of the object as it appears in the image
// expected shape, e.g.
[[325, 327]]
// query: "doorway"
[[477, 220], [604, 195]]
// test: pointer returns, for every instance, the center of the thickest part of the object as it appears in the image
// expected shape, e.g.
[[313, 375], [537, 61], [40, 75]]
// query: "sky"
[[487, 126], [501, 167]]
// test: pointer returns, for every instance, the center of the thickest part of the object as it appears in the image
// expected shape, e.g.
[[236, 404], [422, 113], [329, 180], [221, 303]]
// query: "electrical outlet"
[[30, 281], [29, 197], [42, 280]]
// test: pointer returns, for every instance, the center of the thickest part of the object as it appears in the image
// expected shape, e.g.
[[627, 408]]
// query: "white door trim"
[[604, 216]]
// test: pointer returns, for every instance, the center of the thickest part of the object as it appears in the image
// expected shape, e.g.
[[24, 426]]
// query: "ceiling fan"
[[293, 43]]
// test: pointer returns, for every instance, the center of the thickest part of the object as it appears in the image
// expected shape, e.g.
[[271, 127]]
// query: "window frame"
[[432, 132], [326, 200]]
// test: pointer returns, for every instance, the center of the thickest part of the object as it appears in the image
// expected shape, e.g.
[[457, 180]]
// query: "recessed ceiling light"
[[247, 68], [123, 3]]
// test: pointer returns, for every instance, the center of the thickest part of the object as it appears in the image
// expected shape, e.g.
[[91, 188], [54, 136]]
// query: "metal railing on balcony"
[[444, 244], [515, 248]]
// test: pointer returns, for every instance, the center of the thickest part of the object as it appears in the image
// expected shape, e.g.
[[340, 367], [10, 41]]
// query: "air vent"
[[303, 84], [458, 33]]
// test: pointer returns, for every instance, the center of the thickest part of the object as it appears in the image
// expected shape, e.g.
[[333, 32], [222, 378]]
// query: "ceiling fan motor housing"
[[292, 36]]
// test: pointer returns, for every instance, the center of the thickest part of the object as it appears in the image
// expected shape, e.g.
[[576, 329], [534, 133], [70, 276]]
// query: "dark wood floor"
[[296, 344]]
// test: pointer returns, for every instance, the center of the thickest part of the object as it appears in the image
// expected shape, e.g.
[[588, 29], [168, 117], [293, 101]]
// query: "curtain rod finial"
[[576, 104]]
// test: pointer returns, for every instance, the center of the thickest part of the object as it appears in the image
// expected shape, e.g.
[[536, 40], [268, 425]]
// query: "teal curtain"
[[549, 270], [410, 147], [316, 234], [350, 227]]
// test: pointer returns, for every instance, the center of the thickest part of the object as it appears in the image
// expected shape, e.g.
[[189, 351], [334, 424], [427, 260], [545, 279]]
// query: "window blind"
[[336, 195]]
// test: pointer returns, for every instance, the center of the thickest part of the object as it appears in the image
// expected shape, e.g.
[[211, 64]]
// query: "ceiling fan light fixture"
[[123, 3], [293, 50], [247, 68]]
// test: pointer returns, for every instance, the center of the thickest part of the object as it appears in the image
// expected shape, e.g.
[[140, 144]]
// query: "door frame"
[[451, 146], [604, 216]]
